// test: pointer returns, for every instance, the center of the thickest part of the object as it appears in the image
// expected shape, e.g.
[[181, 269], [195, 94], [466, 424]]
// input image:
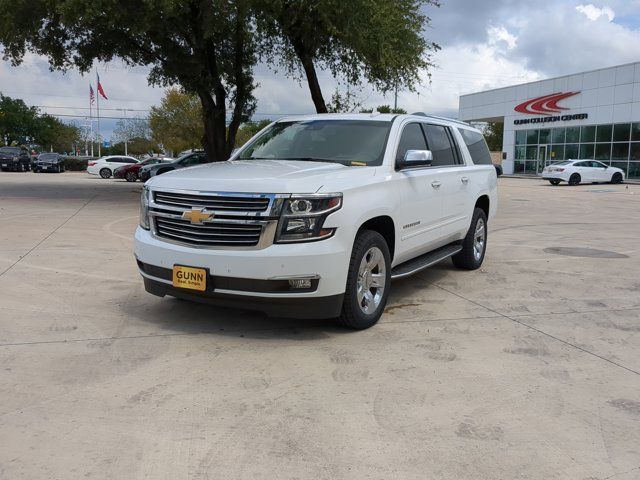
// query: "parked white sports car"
[[575, 172], [105, 166]]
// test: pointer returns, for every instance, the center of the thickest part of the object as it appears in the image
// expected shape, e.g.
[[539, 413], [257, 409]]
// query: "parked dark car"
[[48, 162], [187, 160], [15, 158], [130, 171]]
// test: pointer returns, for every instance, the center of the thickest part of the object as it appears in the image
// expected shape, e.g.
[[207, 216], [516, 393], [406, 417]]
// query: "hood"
[[262, 176]]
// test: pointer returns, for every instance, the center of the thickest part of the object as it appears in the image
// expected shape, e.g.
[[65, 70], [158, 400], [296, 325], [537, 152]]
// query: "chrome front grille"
[[212, 234], [213, 202], [238, 220]]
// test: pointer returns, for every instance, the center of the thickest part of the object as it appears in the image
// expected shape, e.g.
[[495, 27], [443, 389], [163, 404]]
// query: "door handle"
[[465, 179], [436, 184]]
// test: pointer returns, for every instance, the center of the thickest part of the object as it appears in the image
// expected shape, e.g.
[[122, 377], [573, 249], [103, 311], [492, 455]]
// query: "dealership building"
[[589, 115]]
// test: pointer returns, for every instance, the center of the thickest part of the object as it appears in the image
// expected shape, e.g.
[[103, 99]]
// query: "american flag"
[[92, 97]]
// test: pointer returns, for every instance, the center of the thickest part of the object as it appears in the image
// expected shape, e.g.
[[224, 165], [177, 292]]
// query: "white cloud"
[[501, 34], [593, 13]]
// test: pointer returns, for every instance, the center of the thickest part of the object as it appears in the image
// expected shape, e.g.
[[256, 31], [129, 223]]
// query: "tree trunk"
[[314, 85], [215, 129]]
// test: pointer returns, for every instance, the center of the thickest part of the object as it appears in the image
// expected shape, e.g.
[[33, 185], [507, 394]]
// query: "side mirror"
[[417, 158]]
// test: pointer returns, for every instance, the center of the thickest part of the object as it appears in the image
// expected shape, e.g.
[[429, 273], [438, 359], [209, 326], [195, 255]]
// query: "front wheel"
[[574, 179], [368, 281], [474, 244], [616, 178], [554, 181]]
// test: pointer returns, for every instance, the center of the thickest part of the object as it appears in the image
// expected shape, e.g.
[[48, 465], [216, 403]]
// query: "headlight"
[[144, 208], [303, 217]]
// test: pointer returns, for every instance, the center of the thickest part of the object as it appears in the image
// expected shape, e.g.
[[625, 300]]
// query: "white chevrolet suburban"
[[315, 215]]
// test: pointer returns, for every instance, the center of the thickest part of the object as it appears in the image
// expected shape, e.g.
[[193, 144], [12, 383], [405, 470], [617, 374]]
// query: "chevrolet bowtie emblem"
[[197, 216]]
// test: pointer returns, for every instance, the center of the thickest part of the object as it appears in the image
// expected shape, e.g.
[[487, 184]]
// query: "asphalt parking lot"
[[527, 368]]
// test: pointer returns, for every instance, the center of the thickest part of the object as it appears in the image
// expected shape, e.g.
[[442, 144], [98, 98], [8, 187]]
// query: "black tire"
[[130, 177], [554, 181], [352, 315], [616, 178], [574, 179], [469, 258], [105, 173]]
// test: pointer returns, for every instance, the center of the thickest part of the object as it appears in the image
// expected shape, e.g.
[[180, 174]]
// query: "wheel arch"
[[383, 224], [483, 202]]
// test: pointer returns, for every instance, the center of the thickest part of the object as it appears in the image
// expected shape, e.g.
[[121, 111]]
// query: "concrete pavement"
[[527, 368]]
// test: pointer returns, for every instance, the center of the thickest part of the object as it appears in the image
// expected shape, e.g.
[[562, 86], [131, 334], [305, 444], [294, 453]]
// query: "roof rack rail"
[[422, 114]]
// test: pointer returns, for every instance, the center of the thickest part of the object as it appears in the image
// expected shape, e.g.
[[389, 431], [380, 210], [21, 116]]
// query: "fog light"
[[298, 283]]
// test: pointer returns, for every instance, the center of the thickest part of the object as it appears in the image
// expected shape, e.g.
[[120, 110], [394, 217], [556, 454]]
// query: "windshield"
[[48, 156], [10, 150], [349, 142]]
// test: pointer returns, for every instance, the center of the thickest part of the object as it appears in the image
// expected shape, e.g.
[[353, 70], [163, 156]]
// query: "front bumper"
[[243, 276], [117, 173]]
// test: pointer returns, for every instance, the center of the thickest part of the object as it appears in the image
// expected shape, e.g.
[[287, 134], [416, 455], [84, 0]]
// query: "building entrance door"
[[542, 157]]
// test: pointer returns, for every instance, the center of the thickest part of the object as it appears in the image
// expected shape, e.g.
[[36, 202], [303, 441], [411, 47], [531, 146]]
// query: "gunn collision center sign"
[[547, 106]]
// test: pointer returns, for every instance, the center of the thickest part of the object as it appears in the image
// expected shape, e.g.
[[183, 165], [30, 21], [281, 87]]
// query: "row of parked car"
[[18, 159], [132, 169]]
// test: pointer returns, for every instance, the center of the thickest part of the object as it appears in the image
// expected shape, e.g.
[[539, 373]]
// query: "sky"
[[484, 44]]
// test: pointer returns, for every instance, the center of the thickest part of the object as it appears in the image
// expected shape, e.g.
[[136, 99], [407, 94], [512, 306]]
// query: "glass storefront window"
[[573, 134], [634, 153], [520, 152], [621, 132], [620, 151], [634, 170], [532, 136], [531, 153], [518, 167], [587, 134], [521, 137], [635, 132], [623, 165], [603, 133], [557, 135], [571, 151], [530, 167], [556, 153], [603, 151], [586, 151], [545, 136]]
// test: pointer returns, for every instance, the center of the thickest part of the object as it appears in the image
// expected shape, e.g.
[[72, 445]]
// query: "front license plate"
[[189, 277], [4, 164]]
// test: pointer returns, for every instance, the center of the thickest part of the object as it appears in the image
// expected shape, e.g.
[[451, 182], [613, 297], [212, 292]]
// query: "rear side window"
[[477, 146], [440, 146], [412, 139]]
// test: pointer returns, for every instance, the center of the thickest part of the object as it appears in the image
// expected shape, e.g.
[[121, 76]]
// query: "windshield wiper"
[[314, 159]]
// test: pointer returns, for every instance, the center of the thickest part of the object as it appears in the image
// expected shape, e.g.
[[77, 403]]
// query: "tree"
[[378, 41], [177, 122], [52, 134], [385, 109], [129, 128], [205, 47], [493, 132], [17, 121], [248, 130]]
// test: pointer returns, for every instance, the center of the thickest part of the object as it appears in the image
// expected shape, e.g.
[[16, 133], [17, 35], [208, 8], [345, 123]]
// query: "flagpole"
[[90, 121], [98, 108]]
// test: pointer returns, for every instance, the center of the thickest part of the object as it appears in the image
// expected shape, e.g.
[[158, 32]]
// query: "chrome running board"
[[418, 264]]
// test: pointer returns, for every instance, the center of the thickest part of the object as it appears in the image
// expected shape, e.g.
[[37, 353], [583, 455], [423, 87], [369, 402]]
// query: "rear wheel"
[[368, 281], [616, 178], [474, 244], [130, 177], [105, 173], [574, 179], [554, 181]]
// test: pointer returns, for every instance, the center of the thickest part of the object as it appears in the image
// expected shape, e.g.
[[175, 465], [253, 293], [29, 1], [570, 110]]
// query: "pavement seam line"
[[49, 235], [538, 330]]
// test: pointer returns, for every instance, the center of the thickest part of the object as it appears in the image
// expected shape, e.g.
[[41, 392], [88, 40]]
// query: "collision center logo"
[[546, 105]]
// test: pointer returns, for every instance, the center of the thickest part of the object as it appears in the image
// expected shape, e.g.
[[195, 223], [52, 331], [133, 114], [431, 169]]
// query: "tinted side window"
[[116, 160], [477, 146], [202, 158], [129, 160], [412, 139], [582, 164], [440, 146]]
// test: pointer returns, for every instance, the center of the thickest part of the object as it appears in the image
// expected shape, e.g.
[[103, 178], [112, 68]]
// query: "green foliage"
[[385, 109], [248, 130], [75, 164], [493, 132], [176, 123], [205, 47], [378, 41]]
